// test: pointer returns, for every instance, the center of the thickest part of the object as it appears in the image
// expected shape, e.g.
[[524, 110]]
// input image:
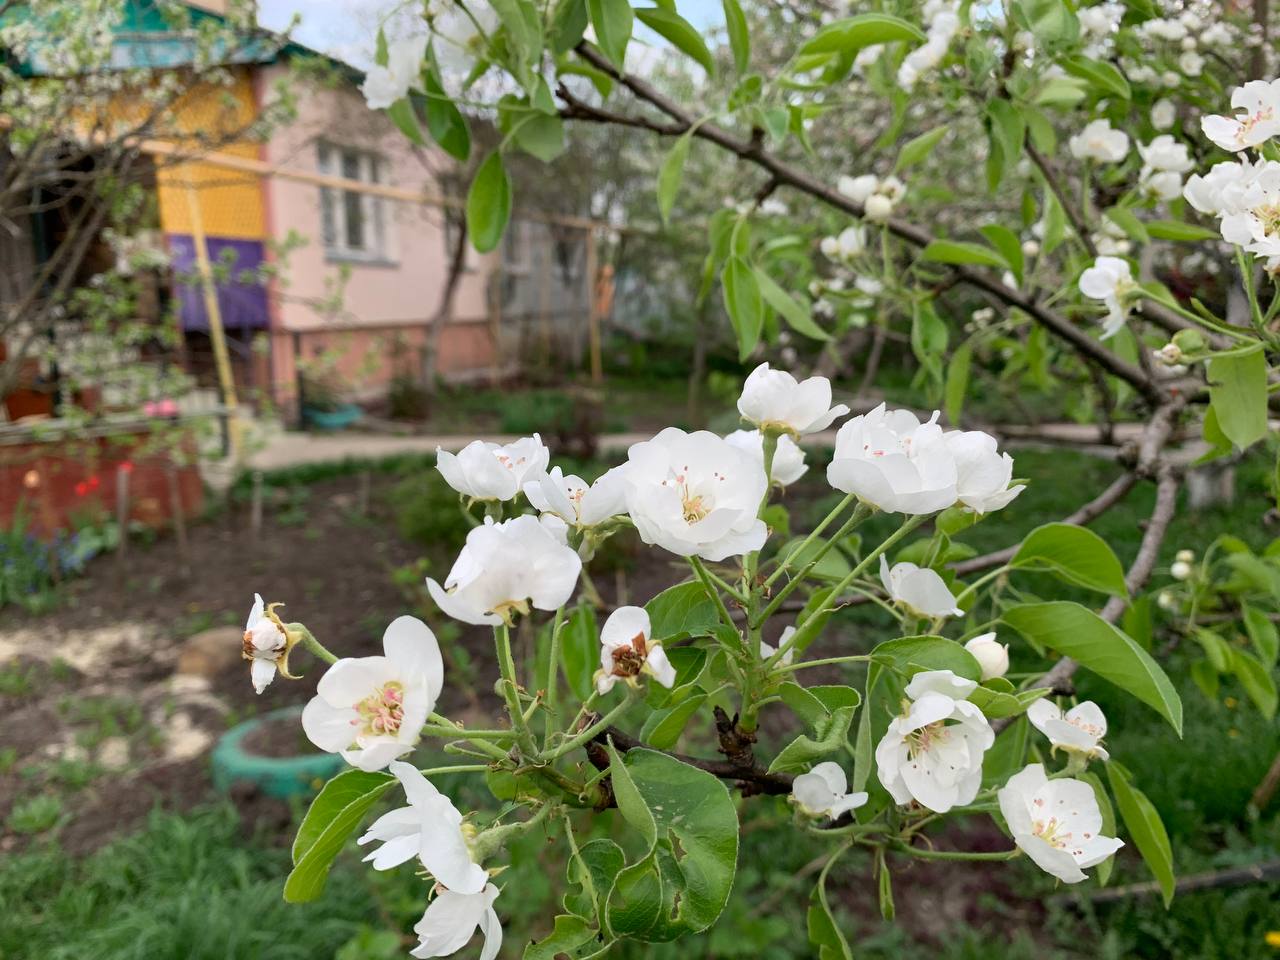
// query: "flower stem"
[[860, 513], [927, 854], [856, 658], [308, 640], [813, 535], [510, 690], [701, 572], [586, 735], [553, 676]]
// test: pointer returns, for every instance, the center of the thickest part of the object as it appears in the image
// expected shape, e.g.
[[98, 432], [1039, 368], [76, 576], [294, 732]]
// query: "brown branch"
[[1209, 880], [752, 778], [753, 151]]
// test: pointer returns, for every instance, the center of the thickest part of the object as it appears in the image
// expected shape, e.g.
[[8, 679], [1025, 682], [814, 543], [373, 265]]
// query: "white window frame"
[[370, 167]]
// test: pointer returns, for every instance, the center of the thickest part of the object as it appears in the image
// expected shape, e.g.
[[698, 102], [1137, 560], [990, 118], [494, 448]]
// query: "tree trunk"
[[444, 312]]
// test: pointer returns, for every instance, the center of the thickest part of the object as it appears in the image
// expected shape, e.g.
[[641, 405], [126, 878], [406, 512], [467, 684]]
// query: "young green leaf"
[[1076, 554], [445, 122], [743, 301], [1100, 75], [489, 204], [613, 21], [954, 251], [1142, 821], [333, 817], [1178, 231], [670, 175], [957, 380], [865, 30], [1262, 633], [739, 36], [917, 148], [1256, 680], [405, 118], [1009, 246], [1238, 396], [797, 316], [679, 31], [681, 611]]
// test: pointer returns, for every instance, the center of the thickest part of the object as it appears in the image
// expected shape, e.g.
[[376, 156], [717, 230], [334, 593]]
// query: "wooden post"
[[255, 506], [176, 509], [593, 310], [122, 510], [217, 335]]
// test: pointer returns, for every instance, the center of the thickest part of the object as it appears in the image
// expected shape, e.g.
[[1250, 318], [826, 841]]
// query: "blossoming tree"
[[1050, 101]]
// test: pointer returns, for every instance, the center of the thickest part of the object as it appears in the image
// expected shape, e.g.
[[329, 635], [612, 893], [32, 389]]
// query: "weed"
[[35, 815]]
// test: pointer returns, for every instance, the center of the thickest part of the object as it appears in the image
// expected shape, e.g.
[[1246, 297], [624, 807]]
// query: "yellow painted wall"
[[230, 202]]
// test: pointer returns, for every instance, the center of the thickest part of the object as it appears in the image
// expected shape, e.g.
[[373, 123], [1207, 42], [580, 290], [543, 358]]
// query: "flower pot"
[[343, 416], [264, 752]]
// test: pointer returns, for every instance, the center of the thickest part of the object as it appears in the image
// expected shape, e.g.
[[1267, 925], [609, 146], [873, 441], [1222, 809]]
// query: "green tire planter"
[[282, 777]]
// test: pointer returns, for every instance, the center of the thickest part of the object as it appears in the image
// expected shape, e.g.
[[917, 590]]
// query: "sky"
[[346, 29]]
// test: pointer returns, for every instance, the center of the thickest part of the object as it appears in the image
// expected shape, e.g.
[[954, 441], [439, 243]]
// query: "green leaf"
[[630, 803], [405, 118], [1076, 554], [580, 650], [1238, 396], [1007, 131], [797, 316], [824, 932], [952, 251], [334, 815], [1009, 246], [568, 23], [1096, 645], [927, 652], [1256, 680], [489, 204], [832, 734], [1125, 219], [681, 611], [1007, 755], [445, 122], [928, 338], [663, 727], [1004, 703], [739, 36], [917, 148], [833, 566], [1143, 823], [541, 136], [1262, 633], [957, 380], [1102, 76], [1108, 828], [670, 175], [743, 301], [1179, 231], [567, 935], [676, 29], [865, 30], [613, 21]]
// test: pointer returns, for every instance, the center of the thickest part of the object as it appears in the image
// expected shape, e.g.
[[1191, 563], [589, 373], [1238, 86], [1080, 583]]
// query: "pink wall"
[[375, 300]]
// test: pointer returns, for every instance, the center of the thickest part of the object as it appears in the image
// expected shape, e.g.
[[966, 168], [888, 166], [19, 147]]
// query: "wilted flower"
[[371, 709], [788, 458], [492, 471], [893, 461], [451, 921], [1257, 119], [1056, 823], [774, 401], [266, 645], [696, 495], [992, 657], [919, 589], [627, 650], [933, 752], [504, 568], [431, 829], [1080, 730], [823, 792]]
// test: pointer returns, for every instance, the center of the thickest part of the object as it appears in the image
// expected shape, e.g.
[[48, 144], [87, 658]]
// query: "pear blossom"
[[492, 471], [1252, 220], [859, 188], [774, 400], [452, 919], [1098, 141], [1190, 63], [893, 461], [788, 458], [372, 709], [1165, 153], [266, 645], [1163, 114], [767, 650], [627, 650], [1185, 556], [504, 568], [944, 21], [1162, 184], [1223, 189], [849, 245], [429, 828], [1180, 570], [823, 792], [932, 753], [575, 501], [919, 589], [1256, 120], [992, 657], [1110, 281], [983, 473], [1055, 822], [1079, 730], [695, 494], [384, 85]]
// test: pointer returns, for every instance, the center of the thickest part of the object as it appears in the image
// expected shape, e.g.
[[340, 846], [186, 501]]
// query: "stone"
[[113, 753], [212, 652]]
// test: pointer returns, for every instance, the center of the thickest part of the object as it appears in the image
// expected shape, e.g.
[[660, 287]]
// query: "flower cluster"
[[878, 195]]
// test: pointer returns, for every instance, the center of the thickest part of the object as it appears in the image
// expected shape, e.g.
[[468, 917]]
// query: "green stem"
[[308, 640], [438, 730], [927, 854], [457, 768], [588, 734], [553, 677], [813, 535], [854, 658], [1255, 310], [700, 571], [510, 690]]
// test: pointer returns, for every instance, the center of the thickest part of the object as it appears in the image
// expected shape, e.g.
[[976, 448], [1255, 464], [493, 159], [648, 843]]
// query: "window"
[[352, 223]]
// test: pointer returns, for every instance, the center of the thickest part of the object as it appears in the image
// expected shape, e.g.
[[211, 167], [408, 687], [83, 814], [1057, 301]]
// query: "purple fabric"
[[243, 303]]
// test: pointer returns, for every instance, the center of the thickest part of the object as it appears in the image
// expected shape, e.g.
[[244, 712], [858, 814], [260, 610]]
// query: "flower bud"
[[878, 207], [1030, 248], [1185, 556], [1166, 601], [1181, 570], [993, 657], [1189, 341]]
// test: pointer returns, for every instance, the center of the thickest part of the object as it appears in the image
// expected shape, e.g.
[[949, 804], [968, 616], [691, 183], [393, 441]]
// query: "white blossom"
[[383, 86], [774, 400], [767, 650], [932, 753], [983, 474], [1190, 63], [1110, 281], [1098, 141], [858, 188], [992, 657], [788, 458], [893, 461], [920, 589], [1056, 823], [372, 709], [1164, 153], [576, 502], [1251, 218], [627, 650], [696, 495], [504, 568], [429, 828], [266, 645], [492, 471], [1256, 119], [824, 792], [1163, 114], [848, 246], [451, 920], [1180, 570], [1080, 730]]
